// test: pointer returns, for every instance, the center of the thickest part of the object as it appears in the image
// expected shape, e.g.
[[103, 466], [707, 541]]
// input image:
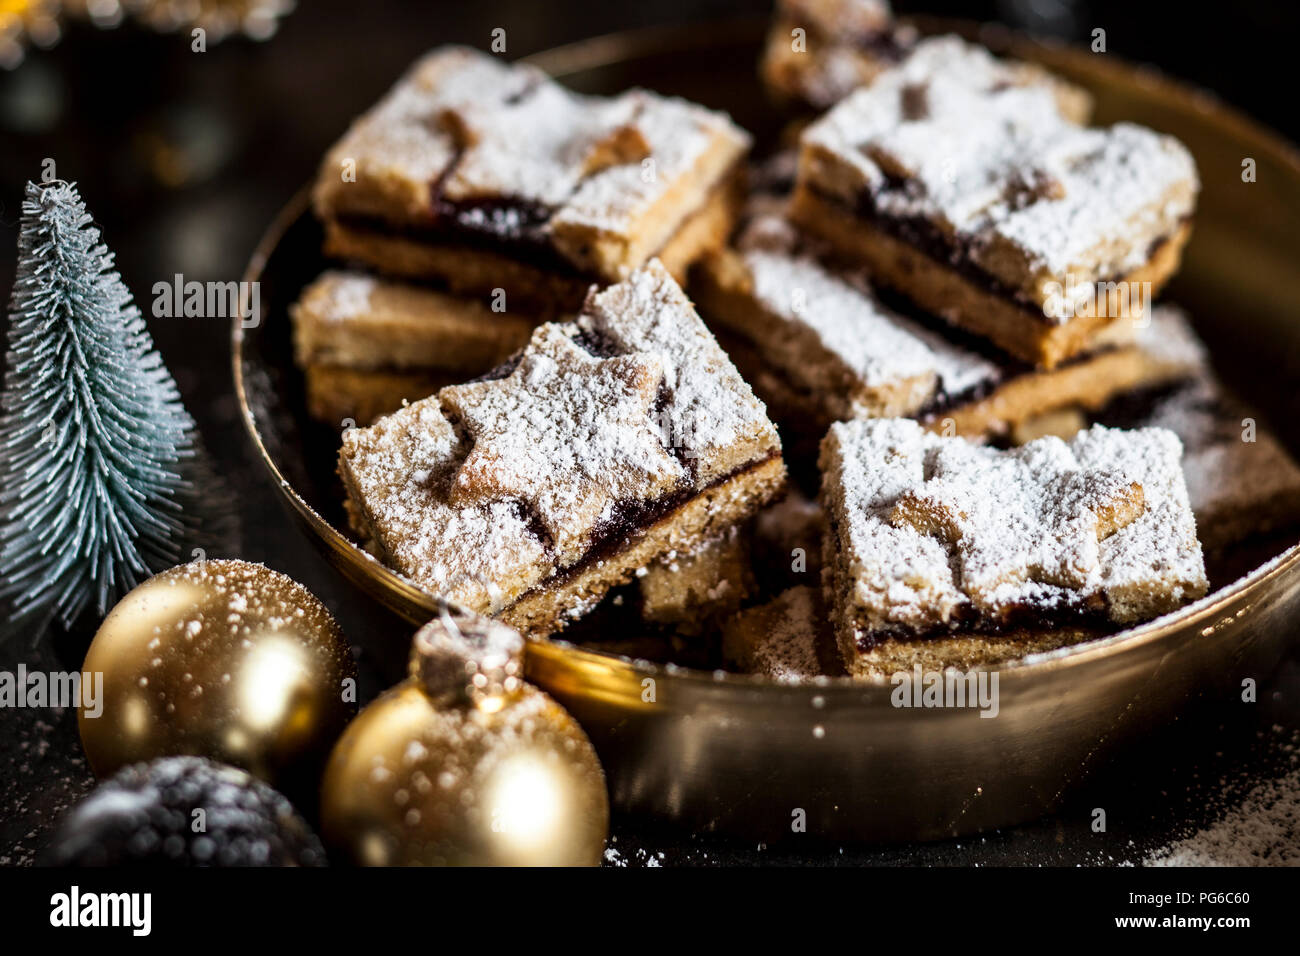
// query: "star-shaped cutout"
[[1009, 518], [539, 147], [570, 435]]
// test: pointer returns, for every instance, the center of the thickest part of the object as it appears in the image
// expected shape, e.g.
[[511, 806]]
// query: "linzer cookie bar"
[[612, 441], [933, 537], [980, 203], [820, 51], [367, 344], [485, 175], [819, 346]]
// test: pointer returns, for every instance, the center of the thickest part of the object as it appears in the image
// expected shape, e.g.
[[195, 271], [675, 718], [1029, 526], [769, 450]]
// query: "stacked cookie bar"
[[819, 345], [981, 203], [937, 537], [479, 198], [485, 175], [610, 442]]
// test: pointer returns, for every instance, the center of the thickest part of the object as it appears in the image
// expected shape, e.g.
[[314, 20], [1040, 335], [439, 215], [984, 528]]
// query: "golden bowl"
[[726, 752]]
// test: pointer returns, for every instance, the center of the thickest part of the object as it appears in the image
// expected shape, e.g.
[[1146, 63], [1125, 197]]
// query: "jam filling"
[[631, 519], [921, 234], [507, 226], [1072, 611], [501, 226]]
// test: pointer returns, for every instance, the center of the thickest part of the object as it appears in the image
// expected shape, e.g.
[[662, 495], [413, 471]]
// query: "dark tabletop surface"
[[184, 158]]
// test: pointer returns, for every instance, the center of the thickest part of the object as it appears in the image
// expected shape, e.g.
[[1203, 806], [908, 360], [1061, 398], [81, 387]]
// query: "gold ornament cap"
[[464, 656]]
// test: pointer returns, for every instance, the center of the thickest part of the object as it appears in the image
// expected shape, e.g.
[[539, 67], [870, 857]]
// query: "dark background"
[[184, 158]]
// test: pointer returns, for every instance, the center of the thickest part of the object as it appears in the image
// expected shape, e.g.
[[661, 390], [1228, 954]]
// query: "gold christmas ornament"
[[465, 764], [222, 659]]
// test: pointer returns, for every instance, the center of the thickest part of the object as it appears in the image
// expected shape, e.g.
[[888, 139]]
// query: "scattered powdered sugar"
[[950, 137], [1262, 830]]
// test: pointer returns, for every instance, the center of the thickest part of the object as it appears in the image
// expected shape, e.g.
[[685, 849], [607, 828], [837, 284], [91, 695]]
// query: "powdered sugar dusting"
[[492, 133], [398, 137], [571, 435], [1262, 830], [534, 147], [481, 556], [1030, 196], [711, 414], [677, 135], [928, 527]]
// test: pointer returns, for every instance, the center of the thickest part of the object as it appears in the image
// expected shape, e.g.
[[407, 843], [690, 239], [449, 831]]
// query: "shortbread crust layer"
[[689, 591], [349, 319]]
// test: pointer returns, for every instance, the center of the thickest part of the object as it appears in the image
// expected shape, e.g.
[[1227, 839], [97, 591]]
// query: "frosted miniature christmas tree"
[[95, 445]]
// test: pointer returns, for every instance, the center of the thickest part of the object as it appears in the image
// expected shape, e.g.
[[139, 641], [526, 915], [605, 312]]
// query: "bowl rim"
[[611, 48]]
